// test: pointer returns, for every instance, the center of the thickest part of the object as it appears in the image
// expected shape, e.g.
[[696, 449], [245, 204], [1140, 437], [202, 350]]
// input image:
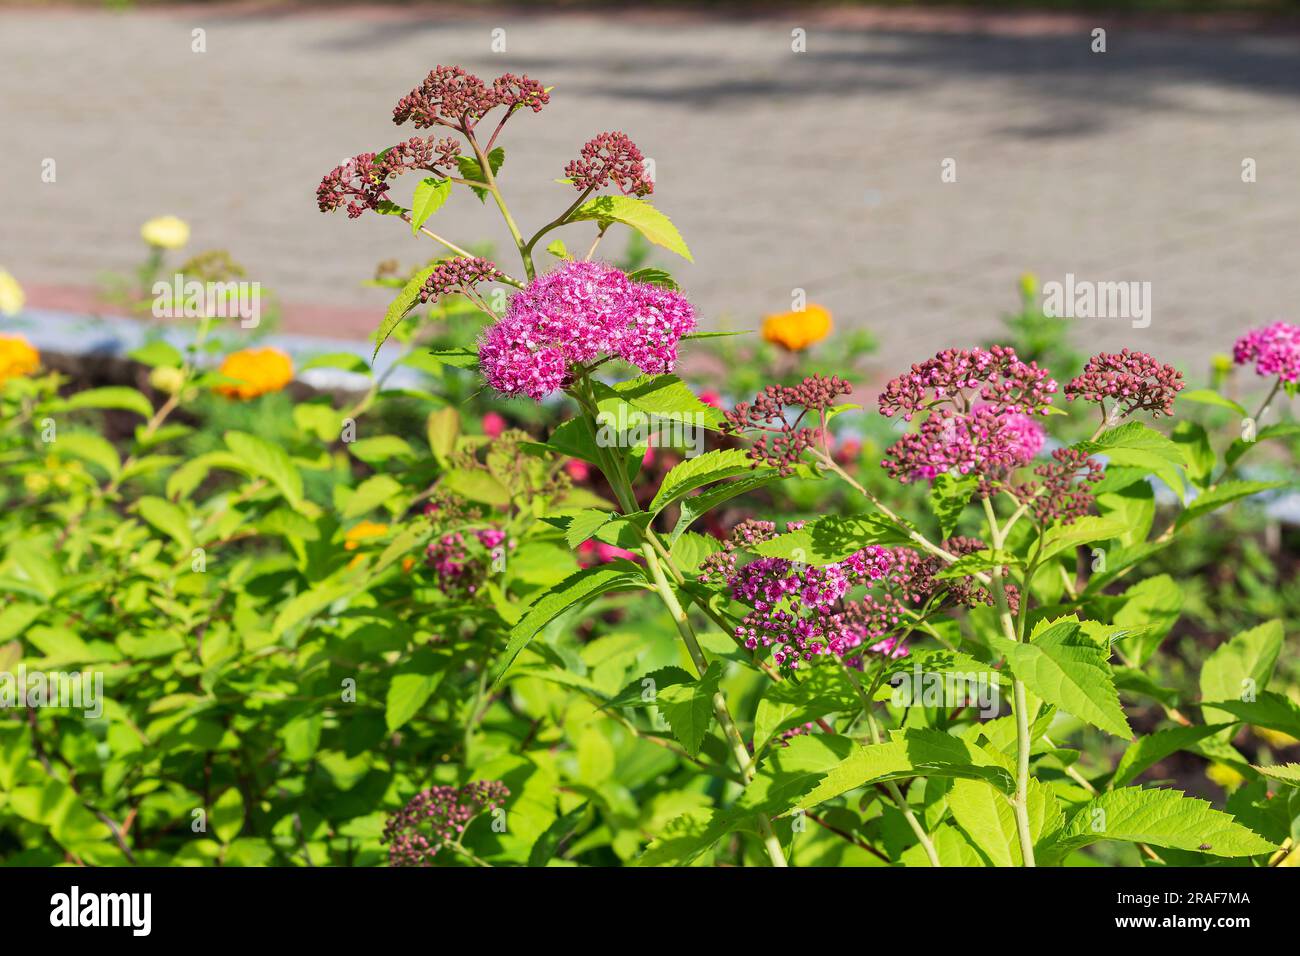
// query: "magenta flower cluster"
[[782, 441], [610, 157], [457, 570], [449, 96], [1275, 350], [458, 275], [1134, 381], [799, 610], [435, 817], [979, 407], [362, 182], [575, 314]]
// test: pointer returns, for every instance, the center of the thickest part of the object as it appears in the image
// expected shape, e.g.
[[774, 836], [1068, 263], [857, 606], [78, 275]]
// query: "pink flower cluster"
[[782, 442], [1275, 350], [610, 157], [459, 572], [980, 406], [362, 182], [575, 314], [798, 610], [460, 274], [449, 96], [1133, 380], [956, 376], [435, 817], [986, 441], [912, 577]]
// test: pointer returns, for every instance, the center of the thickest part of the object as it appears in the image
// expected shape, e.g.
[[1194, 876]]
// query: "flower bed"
[[555, 605]]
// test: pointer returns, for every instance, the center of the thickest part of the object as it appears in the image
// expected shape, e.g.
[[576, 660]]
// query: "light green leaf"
[[693, 473], [113, 396], [688, 708], [411, 686], [168, 518], [227, 817], [987, 817], [92, 448], [1136, 444], [1240, 668], [471, 169], [430, 194], [268, 461], [1069, 670], [638, 214], [1286, 773], [697, 505], [1206, 396], [1154, 748], [949, 496], [1158, 817], [578, 588], [1086, 530], [375, 491], [1222, 494], [405, 301], [442, 429]]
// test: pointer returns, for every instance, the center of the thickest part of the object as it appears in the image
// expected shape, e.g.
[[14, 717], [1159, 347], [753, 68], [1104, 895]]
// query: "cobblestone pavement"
[[818, 170]]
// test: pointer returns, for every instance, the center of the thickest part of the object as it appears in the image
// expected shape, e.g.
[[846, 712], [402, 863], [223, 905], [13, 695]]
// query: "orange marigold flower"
[[795, 331], [17, 357], [258, 371]]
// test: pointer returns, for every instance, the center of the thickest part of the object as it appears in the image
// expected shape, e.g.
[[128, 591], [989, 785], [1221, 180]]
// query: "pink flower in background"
[[577, 469], [1275, 350], [712, 399], [593, 552], [986, 442], [493, 425], [575, 314], [1024, 437], [435, 817]]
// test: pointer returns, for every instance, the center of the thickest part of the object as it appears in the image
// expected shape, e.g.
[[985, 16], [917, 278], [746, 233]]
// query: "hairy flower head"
[[256, 372], [575, 314], [1275, 350], [166, 232], [795, 331], [17, 357]]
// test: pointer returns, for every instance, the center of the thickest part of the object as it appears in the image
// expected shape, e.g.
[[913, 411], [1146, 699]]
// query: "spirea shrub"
[[345, 643]]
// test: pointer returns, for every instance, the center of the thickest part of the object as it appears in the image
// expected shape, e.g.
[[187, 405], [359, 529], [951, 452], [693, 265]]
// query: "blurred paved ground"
[[818, 170]]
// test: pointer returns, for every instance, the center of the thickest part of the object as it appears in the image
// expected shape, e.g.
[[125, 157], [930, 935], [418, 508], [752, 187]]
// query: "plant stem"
[[490, 178], [737, 743], [1021, 801], [895, 793]]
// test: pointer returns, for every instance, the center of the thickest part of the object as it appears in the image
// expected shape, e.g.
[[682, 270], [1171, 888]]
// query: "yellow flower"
[[166, 232], [360, 532], [1275, 737], [17, 357], [11, 295], [1029, 285], [1224, 776], [795, 331], [258, 371], [167, 379]]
